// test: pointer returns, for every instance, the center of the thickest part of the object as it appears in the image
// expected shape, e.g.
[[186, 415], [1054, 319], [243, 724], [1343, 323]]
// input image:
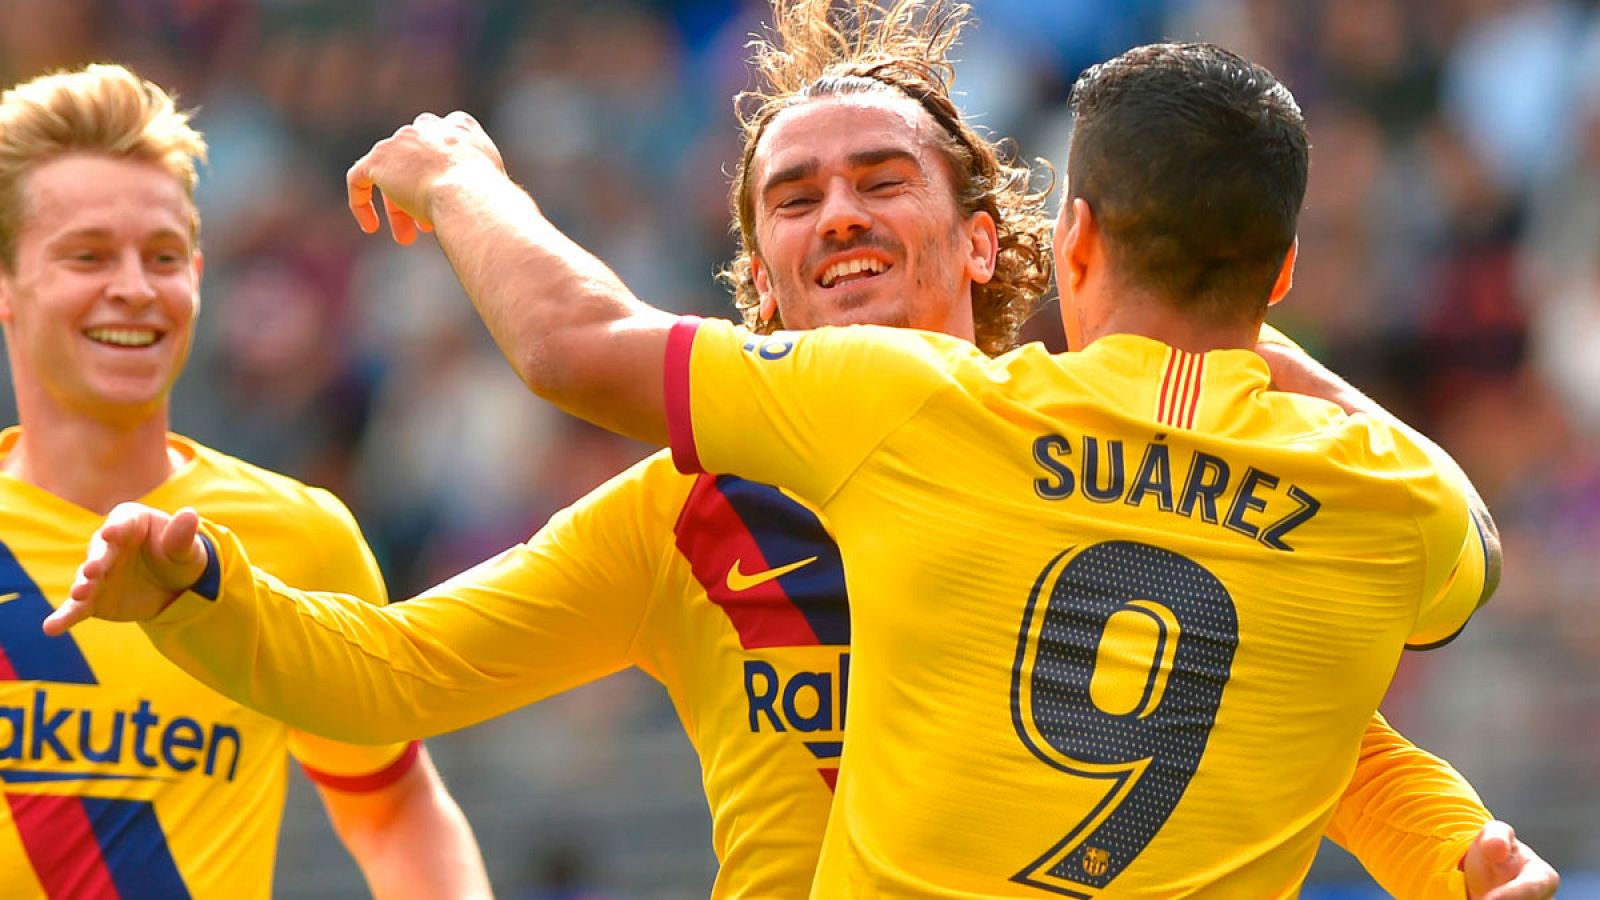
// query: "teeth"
[[833, 273], [123, 337]]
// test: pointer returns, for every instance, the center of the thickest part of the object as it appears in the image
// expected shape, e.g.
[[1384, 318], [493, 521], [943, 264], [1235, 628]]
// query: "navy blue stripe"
[[135, 849], [825, 749], [35, 777], [209, 584], [787, 532], [33, 655]]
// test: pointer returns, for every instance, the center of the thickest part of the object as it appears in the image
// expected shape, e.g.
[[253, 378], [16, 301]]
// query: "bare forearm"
[[571, 329], [410, 839]]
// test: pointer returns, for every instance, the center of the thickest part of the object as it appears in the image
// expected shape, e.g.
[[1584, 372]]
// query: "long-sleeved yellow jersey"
[[1119, 617], [730, 593], [123, 777]]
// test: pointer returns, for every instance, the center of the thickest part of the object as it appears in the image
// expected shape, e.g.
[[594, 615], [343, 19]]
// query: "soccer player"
[[122, 776], [1108, 607], [729, 592]]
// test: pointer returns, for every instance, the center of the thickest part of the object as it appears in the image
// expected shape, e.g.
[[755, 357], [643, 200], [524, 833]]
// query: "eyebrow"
[[97, 233], [862, 159]]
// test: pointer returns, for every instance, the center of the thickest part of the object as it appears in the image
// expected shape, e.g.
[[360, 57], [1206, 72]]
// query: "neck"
[[91, 462], [1163, 322]]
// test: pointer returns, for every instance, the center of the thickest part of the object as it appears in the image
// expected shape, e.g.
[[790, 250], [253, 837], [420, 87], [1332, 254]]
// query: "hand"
[[1500, 867], [139, 561], [405, 166], [1294, 371]]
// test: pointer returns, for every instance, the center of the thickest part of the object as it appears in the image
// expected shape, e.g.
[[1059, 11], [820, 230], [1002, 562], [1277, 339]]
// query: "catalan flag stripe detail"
[[1179, 400]]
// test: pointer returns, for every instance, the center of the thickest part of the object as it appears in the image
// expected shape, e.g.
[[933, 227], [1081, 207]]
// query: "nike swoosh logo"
[[7, 598], [739, 581]]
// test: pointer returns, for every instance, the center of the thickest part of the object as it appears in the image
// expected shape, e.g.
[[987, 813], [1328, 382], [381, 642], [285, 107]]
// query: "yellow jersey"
[[731, 594], [1119, 617], [124, 777]]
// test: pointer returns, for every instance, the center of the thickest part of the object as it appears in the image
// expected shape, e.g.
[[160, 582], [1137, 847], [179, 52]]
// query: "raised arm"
[[572, 330]]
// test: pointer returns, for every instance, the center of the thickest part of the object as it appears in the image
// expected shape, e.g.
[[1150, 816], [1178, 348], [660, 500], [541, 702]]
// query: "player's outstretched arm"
[[1296, 371], [1500, 867], [571, 329], [138, 562], [557, 611], [409, 837]]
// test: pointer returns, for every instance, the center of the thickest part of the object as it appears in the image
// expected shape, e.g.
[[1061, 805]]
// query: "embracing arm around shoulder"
[[1296, 371]]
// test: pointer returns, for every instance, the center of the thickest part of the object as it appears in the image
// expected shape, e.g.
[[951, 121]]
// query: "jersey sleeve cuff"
[[371, 781], [201, 597], [209, 584], [675, 382]]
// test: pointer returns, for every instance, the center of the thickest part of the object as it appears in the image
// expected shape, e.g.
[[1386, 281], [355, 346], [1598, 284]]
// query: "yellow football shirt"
[[1119, 617], [123, 776], [731, 594], [728, 592]]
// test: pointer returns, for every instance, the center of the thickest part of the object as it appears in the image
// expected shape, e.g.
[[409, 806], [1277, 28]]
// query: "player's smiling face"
[[99, 306], [857, 222]]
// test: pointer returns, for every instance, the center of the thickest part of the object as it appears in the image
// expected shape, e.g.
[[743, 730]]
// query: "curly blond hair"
[[819, 48], [102, 109]]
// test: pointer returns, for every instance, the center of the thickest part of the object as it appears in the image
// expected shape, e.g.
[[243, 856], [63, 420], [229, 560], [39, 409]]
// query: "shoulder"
[[650, 491], [228, 488]]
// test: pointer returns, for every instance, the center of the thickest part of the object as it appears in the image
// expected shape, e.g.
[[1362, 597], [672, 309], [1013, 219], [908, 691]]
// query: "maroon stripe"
[[675, 384], [713, 538], [1194, 394], [372, 781], [1166, 382], [61, 844]]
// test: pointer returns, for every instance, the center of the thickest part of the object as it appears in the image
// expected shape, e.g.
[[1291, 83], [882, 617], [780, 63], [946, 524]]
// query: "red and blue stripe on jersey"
[[80, 847], [767, 561]]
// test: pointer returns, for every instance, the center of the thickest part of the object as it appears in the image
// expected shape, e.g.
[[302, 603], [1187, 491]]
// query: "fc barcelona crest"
[[1096, 861]]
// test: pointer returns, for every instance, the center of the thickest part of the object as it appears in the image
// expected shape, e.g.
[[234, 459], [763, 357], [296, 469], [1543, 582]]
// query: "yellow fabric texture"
[[692, 580], [1108, 607]]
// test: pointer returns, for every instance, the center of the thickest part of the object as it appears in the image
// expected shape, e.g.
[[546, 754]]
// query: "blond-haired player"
[[122, 776]]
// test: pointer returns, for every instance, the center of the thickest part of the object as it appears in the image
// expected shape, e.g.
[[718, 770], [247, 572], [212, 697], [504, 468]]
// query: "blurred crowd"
[[1449, 265]]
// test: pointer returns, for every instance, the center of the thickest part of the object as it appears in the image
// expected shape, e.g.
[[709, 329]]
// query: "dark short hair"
[[1194, 162]]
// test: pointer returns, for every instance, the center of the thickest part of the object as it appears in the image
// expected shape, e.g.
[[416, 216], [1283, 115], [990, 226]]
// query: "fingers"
[[401, 224], [358, 190], [1496, 842], [179, 542], [67, 615]]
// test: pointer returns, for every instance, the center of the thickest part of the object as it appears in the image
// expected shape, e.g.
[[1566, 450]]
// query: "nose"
[[842, 213], [130, 283]]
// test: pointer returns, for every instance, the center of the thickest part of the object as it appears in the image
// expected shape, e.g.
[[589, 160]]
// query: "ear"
[[1079, 248], [5, 295], [763, 283], [983, 247], [199, 265], [1285, 275]]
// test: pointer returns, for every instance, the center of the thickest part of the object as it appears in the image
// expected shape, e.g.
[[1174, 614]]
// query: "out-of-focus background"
[[1449, 264]]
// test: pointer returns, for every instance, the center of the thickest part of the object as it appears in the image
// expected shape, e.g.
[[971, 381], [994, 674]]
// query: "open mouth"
[[132, 338], [851, 272]]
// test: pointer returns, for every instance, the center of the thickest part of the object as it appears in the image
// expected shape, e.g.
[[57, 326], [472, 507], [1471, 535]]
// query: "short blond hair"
[[819, 48], [100, 108]]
